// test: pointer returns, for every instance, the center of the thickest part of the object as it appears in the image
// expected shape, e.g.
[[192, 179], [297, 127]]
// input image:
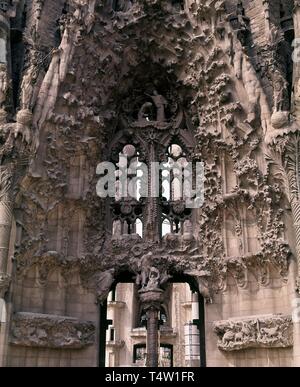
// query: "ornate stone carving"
[[27, 86], [50, 331], [8, 8], [150, 278], [223, 101], [102, 283], [270, 331], [5, 280], [4, 87]]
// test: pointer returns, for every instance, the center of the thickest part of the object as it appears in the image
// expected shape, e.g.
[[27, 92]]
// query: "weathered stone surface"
[[271, 331], [81, 80], [50, 331]]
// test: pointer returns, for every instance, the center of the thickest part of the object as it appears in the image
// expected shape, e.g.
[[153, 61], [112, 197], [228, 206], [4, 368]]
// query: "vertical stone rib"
[[5, 226], [5, 230], [152, 337], [296, 215], [151, 301]]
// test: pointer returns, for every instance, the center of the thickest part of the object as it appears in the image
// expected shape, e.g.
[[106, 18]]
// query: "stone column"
[[5, 226], [152, 336], [296, 300], [152, 224], [5, 231], [151, 301], [296, 216]]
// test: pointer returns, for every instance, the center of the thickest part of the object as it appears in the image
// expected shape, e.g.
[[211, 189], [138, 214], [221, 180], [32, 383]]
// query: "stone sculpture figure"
[[145, 112], [275, 35], [117, 229], [244, 70], [103, 282], [154, 279], [144, 267], [27, 86], [51, 331], [254, 332], [160, 103], [149, 277], [4, 84], [4, 5], [280, 88], [4, 284]]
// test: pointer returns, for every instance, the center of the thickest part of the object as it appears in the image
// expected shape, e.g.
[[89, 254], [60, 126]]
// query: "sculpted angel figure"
[[27, 86], [144, 268], [280, 91], [160, 103]]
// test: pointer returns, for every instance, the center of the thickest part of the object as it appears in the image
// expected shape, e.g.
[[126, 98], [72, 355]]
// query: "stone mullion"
[[6, 216], [5, 230], [296, 217], [152, 336], [151, 300]]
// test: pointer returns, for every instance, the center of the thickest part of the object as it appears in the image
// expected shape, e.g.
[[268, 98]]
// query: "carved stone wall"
[[255, 332], [47, 331], [217, 76]]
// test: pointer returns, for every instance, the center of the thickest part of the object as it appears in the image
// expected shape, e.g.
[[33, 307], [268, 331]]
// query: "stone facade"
[[83, 81]]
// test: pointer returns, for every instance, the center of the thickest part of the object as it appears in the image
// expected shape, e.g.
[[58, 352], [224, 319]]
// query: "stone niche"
[[50, 331], [269, 331]]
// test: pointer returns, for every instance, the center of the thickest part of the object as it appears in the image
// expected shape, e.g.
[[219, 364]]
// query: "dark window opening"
[[165, 355], [121, 5], [112, 334], [162, 317], [178, 4]]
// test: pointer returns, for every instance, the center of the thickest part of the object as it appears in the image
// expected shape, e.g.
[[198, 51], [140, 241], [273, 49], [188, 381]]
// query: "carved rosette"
[[271, 331], [50, 331]]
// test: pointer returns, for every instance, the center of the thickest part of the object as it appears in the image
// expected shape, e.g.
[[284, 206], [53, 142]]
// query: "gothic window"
[[162, 318], [150, 152], [127, 209], [132, 201], [139, 227], [166, 227], [165, 355], [139, 354], [174, 211]]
